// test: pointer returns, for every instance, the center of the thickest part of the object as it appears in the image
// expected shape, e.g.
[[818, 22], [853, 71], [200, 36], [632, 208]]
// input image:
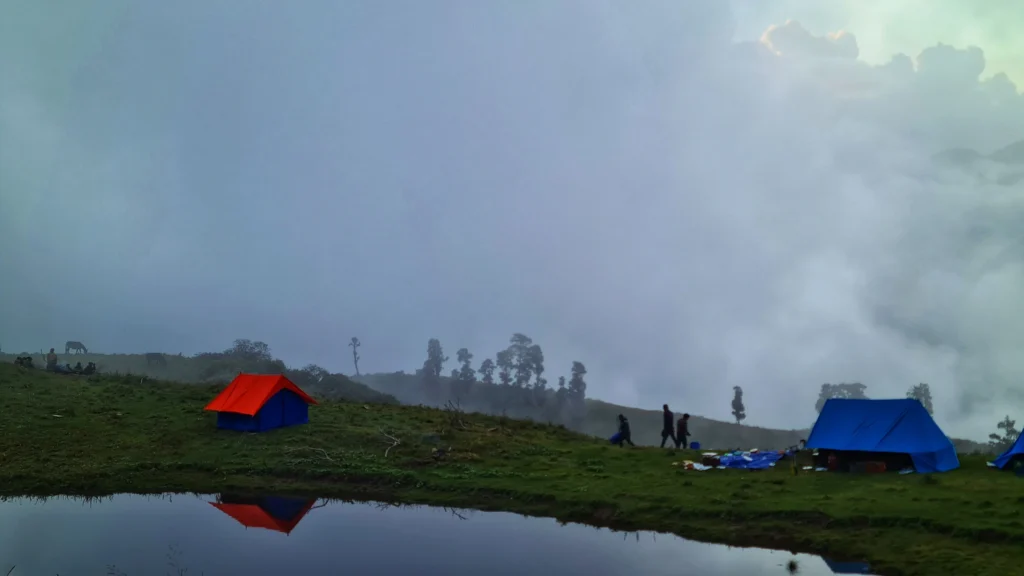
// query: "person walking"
[[683, 431], [624, 436], [667, 428]]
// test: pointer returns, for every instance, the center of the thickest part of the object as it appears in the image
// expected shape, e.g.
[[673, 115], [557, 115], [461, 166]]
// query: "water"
[[136, 535]]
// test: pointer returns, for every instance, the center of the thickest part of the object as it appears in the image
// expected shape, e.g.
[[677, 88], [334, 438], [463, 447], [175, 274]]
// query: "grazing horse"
[[78, 347], [156, 358]]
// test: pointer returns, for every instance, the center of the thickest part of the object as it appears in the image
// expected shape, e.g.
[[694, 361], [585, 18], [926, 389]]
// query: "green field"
[[102, 435]]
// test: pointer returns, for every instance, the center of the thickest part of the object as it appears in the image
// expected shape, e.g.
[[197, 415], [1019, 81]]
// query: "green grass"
[[73, 435]]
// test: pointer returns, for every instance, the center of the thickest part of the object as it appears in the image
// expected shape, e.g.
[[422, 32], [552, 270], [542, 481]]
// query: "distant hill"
[[220, 367]]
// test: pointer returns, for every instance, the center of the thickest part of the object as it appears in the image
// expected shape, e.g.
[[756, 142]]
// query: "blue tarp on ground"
[[748, 461], [1006, 459], [900, 426]]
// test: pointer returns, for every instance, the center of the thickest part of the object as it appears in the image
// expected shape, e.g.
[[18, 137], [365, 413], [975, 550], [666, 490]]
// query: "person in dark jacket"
[[667, 426], [682, 431], [624, 434]]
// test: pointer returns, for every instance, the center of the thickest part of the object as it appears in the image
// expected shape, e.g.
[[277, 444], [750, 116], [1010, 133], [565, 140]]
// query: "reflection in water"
[[270, 512], [131, 535], [848, 567]]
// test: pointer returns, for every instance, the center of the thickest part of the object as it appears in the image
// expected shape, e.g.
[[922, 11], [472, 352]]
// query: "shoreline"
[[707, 529]]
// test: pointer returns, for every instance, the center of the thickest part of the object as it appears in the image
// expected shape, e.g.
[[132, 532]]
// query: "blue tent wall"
[[285, 408], [900, 426], [1006, 458]]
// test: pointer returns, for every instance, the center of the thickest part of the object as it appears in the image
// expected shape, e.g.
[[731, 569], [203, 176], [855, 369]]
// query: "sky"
[[683, 196]]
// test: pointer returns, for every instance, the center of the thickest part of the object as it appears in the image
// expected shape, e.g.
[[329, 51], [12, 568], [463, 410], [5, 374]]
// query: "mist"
[[647, 188]]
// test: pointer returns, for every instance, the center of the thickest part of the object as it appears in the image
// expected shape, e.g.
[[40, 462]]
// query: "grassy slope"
[[73, 435], [207, 371], [600, 420], [646, 424]]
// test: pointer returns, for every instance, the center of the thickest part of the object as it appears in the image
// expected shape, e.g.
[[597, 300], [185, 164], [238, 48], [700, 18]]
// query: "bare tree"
[[355, 344]]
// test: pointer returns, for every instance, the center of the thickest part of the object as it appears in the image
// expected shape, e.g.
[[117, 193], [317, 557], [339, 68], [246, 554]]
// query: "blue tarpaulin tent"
[[1016, 452], [900, 426]]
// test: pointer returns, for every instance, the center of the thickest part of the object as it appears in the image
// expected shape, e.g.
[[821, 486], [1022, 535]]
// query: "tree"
[[853, 390], [561, 395], [577, 394], [314, 373], [355, 344], [1002, 443], [535, 358], [923, 394], [243, 356], [487, 371], [464, 376], [504, 362], [522, 362], [432, 368], [249, 350], [739, 412]]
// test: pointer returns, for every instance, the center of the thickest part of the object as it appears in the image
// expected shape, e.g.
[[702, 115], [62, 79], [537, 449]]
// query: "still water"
[[217, 535]]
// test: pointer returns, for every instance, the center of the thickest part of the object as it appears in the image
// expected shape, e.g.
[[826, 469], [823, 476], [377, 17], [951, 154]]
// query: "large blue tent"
[[900, 426], [1016, 452]]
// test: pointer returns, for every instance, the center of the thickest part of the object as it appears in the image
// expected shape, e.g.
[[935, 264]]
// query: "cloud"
[[793, 41], [631, 188]]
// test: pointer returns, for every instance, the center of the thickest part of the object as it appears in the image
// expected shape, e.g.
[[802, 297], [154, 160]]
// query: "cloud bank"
[[632, 188]]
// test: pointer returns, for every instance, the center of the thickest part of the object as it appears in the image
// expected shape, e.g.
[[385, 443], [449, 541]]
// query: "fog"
[[651, 188]]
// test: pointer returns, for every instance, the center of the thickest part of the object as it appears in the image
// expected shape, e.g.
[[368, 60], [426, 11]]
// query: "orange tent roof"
[[254, 516], [247, 393]]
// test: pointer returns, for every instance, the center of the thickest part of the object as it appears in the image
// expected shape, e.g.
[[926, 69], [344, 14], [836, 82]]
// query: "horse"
[[78, 347], [156, 358]]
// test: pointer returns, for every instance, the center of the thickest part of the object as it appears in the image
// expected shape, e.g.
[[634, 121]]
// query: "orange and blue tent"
[[260, 402]]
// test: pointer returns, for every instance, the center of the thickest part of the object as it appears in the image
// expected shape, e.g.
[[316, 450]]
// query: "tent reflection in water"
[[277, 513], [260, 402], [900, 433], [848, 567]]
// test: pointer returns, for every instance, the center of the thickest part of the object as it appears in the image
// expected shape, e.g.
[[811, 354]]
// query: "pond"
[[213, 535]]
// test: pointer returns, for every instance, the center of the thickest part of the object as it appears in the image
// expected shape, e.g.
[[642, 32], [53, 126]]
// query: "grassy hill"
[[218, 368], [600, 418], [110, 434]]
